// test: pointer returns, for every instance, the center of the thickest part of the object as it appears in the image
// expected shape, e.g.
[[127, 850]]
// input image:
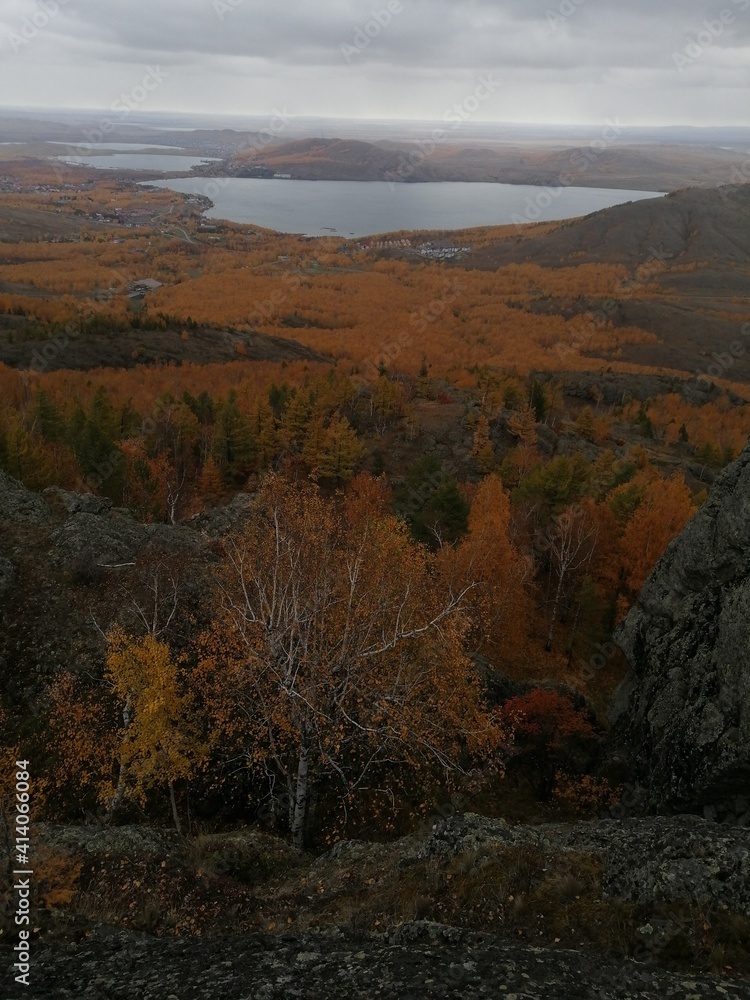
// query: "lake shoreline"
[[364, 209]]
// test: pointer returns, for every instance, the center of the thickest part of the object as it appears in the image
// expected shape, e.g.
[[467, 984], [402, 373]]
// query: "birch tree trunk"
[[300, 800], [553, 622], [115, 803], [175, 814]]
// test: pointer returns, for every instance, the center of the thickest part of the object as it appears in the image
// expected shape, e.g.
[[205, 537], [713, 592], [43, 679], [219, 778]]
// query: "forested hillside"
[[329, 518]]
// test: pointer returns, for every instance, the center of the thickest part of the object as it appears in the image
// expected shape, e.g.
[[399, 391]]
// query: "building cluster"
[[17, 186], [11, 184], [142, 286], [441, 250], [386, 245], [437, 250], [134, 218]]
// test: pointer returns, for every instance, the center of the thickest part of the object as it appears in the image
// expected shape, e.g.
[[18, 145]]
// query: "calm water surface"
[[357, 208], [123, 147], [164, 162]]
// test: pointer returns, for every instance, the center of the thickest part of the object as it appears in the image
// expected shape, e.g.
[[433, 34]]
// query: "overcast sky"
[[642, 61]]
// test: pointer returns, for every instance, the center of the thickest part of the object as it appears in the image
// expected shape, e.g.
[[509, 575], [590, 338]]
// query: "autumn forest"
[[392, 510]]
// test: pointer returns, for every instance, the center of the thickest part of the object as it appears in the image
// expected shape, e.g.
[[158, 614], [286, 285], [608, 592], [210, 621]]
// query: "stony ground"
[[416, 961], [472, 907]]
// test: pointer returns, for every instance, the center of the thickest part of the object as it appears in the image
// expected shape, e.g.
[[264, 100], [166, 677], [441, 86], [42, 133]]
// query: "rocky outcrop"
[[120, 842], [19, 505], [681, 720], [644, 860], [657, 881], [7, 576], [617, 388], [71, 561], [114, 539], [79, 503], [418, 960]]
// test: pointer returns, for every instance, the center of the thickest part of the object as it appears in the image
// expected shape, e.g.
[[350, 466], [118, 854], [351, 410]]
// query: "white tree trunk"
[[553, 622], [175, 814], [300, 800], [118, 798]]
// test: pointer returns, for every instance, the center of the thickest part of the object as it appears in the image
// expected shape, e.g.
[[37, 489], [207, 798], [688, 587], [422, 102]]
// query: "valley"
[[468, 468]]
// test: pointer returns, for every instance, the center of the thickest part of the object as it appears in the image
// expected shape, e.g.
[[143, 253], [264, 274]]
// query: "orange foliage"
[[545, 719], [336, 649], [663, 511], [498, 573]]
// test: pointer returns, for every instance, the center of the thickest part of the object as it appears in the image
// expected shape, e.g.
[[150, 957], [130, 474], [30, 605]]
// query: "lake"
[[359, 208], [122, 147], [166, 163]]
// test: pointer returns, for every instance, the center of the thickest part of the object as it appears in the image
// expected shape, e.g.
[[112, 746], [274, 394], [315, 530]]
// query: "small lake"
[[359, 208], [122, 147], [163, 162]]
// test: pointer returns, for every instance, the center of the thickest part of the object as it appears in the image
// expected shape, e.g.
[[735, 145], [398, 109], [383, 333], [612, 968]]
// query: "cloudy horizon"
[[536, 61]]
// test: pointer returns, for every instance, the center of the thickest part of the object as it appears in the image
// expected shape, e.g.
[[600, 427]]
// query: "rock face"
[[7, 576], [681, 720], [102, 540], [645, 860], [76, 503], [19, 505]]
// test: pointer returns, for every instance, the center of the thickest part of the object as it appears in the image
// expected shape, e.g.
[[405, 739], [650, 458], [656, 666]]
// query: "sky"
[[649, 62]]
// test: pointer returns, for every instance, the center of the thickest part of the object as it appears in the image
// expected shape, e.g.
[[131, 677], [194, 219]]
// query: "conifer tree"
[[341, 451], [482, 451]]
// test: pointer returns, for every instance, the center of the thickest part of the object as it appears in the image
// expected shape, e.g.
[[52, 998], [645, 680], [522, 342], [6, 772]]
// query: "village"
[[434, 250]]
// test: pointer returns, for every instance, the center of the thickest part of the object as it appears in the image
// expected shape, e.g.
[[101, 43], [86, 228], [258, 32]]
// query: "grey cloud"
[[424, 32], [568, 45]]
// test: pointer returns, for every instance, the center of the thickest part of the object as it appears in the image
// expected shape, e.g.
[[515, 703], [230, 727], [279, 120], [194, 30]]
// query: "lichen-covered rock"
[[80, 503], [220, 521], [101, 540], [19, 504], [416, 961], [463, 833], [648, 867], [681, 724], [645, 860], [659, 859], [7, 576], [119, 841]]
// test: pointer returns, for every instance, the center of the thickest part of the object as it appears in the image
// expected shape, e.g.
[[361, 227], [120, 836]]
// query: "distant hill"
[[688, 256], [693, 226], [639, 167], [325, 159]]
